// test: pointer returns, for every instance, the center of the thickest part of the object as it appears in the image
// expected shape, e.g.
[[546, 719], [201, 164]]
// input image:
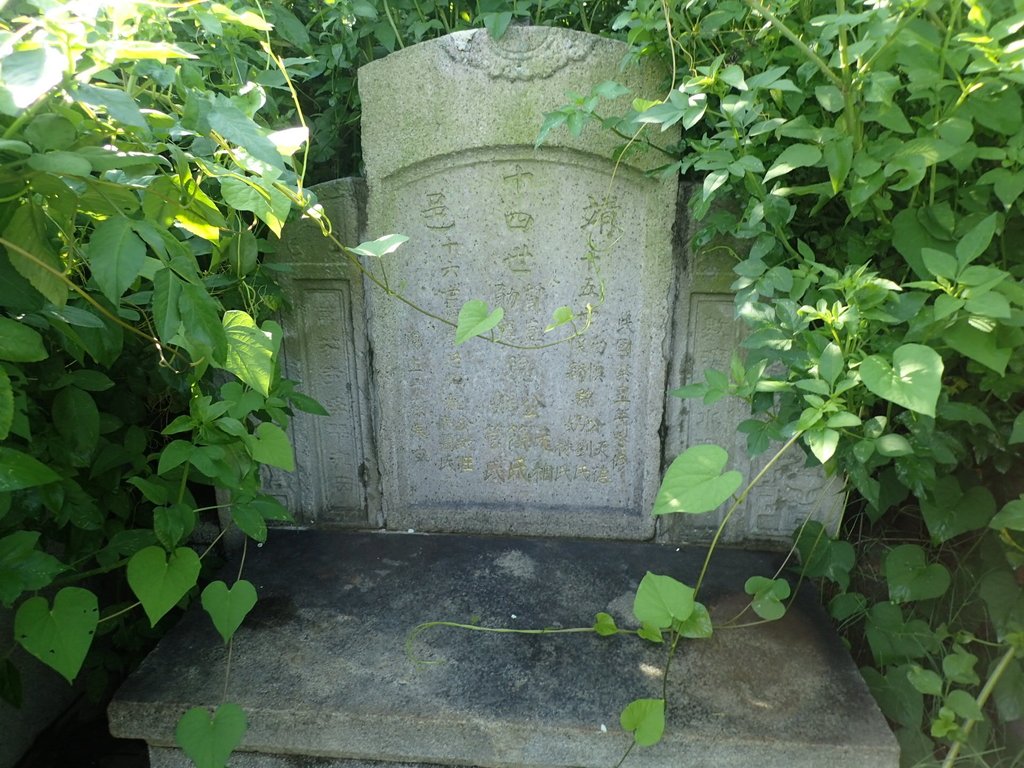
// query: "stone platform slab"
[[322, 671]]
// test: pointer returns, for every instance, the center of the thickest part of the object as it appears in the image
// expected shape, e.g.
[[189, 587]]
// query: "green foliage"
[[148, 153], [645, 719], [872, 161], [208, 738]]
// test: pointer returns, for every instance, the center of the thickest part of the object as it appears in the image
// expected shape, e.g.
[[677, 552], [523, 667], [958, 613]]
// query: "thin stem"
[[630, 749], [735, 505], [119, 613], [391, 21], [790, 35], [87, 574], [421, 628], [990, 684]]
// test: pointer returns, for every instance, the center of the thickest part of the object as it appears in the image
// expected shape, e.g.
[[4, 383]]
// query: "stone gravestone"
[[485, 438], [488, 438]]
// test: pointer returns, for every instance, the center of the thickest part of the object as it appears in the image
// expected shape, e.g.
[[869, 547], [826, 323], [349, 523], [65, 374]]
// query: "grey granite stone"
[[325, 350], [705, 335], [322, 671], [487, 438]]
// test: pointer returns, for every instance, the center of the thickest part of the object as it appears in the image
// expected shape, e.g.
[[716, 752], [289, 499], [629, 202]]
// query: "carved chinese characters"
[[561, 440]]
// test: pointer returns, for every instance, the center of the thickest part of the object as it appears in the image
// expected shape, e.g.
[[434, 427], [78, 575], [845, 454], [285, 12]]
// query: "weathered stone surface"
[[325, 349], [488, 438], [321, 667], [705, 335]]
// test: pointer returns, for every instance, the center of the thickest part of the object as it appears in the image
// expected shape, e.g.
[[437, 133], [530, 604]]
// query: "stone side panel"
[[325, 350], [706, 334]]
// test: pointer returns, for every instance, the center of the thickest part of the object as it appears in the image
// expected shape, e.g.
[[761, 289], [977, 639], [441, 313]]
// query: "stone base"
[[322, 671]]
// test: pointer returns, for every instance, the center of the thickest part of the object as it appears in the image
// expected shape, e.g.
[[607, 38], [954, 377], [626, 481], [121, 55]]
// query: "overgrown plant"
[[138, 185], [871, 157]]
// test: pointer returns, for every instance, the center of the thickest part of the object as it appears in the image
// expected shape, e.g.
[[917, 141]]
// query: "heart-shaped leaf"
[[913, 380], [604, 625], [660, 600], [645, 719], [694, 483], [475, 320], [698, 625], [209, 738], [650, 632], [160, 581], [1010, 516], [381, 246], [59, 637], [911, 578], [768, 595], [228, 607], [948, 511]]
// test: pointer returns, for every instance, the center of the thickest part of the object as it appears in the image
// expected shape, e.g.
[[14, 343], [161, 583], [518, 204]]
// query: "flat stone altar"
[[322, 671]]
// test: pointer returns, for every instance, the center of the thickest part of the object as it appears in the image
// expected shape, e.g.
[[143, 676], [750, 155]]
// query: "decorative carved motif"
[[523, 53]]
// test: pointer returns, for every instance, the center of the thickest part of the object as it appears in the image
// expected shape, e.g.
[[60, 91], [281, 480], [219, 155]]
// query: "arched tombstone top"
[[467, 90], [481, 438]]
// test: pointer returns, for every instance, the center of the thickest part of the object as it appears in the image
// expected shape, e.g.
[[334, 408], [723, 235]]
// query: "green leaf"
[[924, 680], [1010, 516], [160, 581], [661, 600], [964, 705], [166, 295], [116, 102], [270, 445], [560, 317], [23, 567], [228, 607], [978, 345], [893, 445], [604, 625], [476, 320], [116, 255], [77, 420], [694, 482], [839, 160], [949, 512], [893, 639], [650, 632], [171, 524], [49, 131], [914, 379], [234, 125], [209, 738], [19, 470], [204, 333], [958, 667], [59, 637], [768, 595], [249, 521], [974, 243], [27, 74], [831, 363], [32, 255], [698, 625], [910, 578], [822, 442], [250, 351], [382, 246], [793, 157], [61, 163], [19, 343], [174, 454], [645, 719], [1017, 432]]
